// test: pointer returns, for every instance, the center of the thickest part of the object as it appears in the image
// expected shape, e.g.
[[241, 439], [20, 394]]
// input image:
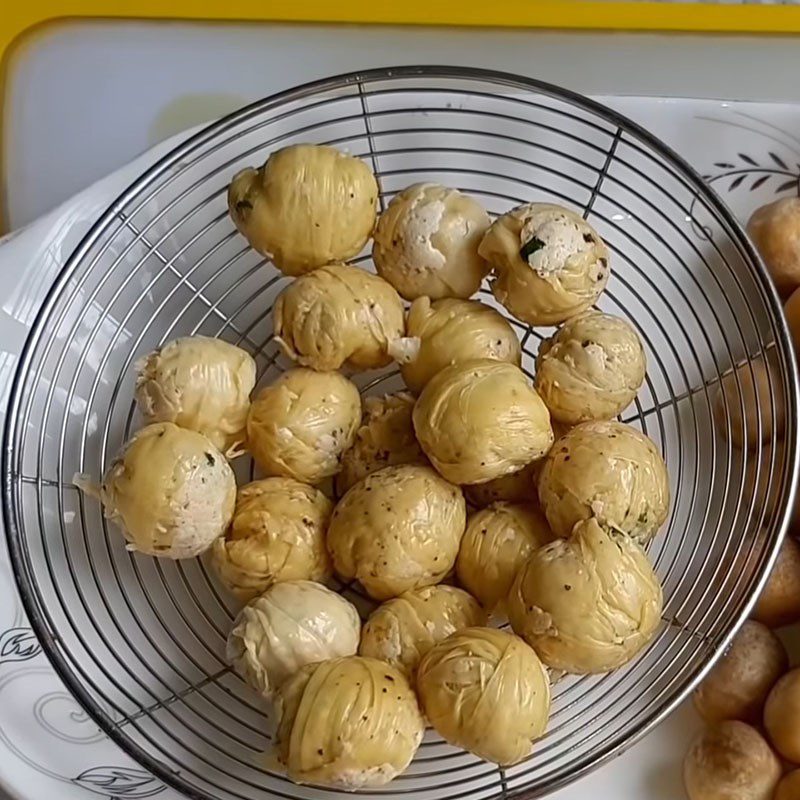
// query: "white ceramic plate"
[[48, 746]]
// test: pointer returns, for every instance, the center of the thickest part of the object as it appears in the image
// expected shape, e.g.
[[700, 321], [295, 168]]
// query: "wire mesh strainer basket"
[[140, 641]]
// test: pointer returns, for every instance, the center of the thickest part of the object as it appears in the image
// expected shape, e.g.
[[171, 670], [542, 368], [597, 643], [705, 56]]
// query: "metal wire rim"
[[627, 132]]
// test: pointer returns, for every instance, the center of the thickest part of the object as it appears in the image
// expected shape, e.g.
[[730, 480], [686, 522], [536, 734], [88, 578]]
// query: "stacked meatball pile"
[[476, 493]]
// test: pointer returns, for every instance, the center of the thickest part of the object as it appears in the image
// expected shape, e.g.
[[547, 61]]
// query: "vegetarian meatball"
[[730, 761], [485, 690], [591, 368], [198, 383], [426, 243], [450, 332], [478, 420], [386, 438], [775, 229], [738, 685], [309, 205], [292, 624], [301, 425], [782, 716], [338, 316], [779, 603], [607, 470], [402, 630], [586, 604], [170, 491], [549, 263], [277, 534], [747, 393], [496, 544], [347, 723], [396, 530]]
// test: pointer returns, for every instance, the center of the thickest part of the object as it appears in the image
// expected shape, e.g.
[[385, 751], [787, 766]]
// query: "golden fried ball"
[[277, 534], [426, 243], [485, 690], [402, 630], [549, 263], [730, 761], [449, 332], [498, 541], [396, 530], [516, 487], [386, 438], [301, 425], [782, 716], [789, 787], [309, 205], [775, 229], [338, 316], [792, 311], [607, 470], [348, 723], [752, 387], [779, 603], [170, 491], [738, 685], [292, 624], [586, 604], [478, 420], [591, 368], [198, 383]]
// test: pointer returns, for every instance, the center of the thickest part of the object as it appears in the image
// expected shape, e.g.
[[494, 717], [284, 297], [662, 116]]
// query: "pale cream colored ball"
[[549, 264], [309, 205], [398, 529], [449, 332], [338, 316], [301, 424], [478, 420], [426, 242]]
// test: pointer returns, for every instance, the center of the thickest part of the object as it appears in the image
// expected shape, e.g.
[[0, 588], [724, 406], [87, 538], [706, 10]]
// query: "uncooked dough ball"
[[301, 425], [198, 383], [586, 604], [170, 491], [591, 368], [779, 603], [396, 530], [385, 439], [292, 624], [549, 263], [775, 229], [751, 386], [449, 332], [782, 716], [607, 470], [402, 630], [496, 544], [516, 487], [277, 534], [789, 787], [478, 420], [426, 243], [738, 685], [485, 690], [309, 205], [348, 723], [730, 761], [338, 316]]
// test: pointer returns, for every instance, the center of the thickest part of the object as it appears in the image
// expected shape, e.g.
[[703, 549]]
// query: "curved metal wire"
[[140, 642]]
